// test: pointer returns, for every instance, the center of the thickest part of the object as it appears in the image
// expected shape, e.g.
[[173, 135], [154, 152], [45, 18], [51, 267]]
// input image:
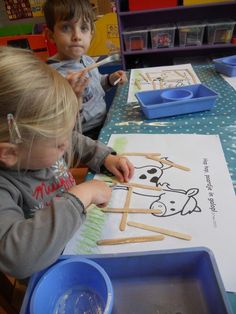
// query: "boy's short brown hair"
[[65, 10]]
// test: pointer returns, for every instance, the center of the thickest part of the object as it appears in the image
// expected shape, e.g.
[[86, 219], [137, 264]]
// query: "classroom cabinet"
[[145, 54]]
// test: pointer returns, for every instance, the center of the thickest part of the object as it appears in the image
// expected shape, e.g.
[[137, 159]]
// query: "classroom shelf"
[[164, 56]]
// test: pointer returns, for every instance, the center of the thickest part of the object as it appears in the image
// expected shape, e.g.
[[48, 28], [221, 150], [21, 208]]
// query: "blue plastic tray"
[[224, 68], [152, 106], [167, 281]]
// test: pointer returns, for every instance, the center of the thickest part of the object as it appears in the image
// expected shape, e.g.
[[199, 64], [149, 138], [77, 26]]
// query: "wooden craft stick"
[[139, 154], [143, 77], [167, 162], [192, 76], [180, 74], [130, 240], [160, 230], [154, 85], [137, 185], [131, 210], [125, 214], [117, 81], [137, 84], [149, 77], [161, 84]]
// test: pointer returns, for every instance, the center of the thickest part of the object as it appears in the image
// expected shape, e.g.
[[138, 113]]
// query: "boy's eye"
[[84, 27], [65, 27]]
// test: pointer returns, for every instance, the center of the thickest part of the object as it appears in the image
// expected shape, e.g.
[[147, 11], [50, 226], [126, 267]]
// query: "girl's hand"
[[78, 81], [120, 166], [118, 77], [92, 192]]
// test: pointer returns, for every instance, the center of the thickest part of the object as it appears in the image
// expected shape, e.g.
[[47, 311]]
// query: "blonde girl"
[[41, 207]]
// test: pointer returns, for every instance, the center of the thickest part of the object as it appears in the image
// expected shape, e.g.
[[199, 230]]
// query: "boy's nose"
[[76, 36]]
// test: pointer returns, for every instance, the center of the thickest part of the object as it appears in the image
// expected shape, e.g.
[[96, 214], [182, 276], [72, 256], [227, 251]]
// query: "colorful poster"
[[18, 9], [37, 7], [184, 188]]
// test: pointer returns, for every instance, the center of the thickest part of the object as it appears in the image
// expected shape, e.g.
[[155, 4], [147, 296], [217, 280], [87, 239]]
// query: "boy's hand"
[[118, 77], [120, 166], [78, 81], [92, 192]]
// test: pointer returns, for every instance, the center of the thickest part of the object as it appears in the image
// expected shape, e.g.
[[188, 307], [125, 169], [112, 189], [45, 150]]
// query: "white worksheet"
[[197, 199]]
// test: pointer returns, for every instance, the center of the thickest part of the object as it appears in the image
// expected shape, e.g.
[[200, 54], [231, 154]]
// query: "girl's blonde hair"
[[41, 101]]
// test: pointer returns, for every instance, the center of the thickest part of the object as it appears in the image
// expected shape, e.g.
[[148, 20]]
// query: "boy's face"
[[72, 38]]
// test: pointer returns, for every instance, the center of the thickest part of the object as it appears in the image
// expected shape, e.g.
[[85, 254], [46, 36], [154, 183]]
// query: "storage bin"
[[135, 39], [163, 36], [153, 107], [164, 281], [220, 31], [135, 5], [191, 33], [226, 65]]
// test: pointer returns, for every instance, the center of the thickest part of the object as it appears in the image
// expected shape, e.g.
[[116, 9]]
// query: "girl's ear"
[[8, 154]]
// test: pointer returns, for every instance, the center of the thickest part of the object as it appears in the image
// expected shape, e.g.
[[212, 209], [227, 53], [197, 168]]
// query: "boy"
[[71, 27]]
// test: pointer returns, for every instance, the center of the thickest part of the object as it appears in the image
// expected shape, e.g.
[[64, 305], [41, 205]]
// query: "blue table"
[[123, 118], [128, 118]]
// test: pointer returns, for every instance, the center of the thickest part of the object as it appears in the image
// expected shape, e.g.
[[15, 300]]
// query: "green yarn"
[[91, 232], [120, 144]]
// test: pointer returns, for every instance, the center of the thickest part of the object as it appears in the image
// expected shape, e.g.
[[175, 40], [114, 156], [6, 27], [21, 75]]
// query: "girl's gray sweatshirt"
[[37, 216]]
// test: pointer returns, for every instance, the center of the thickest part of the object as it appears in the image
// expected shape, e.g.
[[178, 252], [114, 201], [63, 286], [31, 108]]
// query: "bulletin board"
[[18, 9], [37, 7]]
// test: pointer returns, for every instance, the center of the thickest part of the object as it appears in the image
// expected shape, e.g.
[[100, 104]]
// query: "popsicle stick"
[[167, 162], [130, 240], [125, 214], [117, 81], [170, 233], [154, 85], [192, 76], [131, 210], [139, 154], [143, 77], [161, 83], [180, 74], [137, 185], [111, 58], [149, 77], [137, 84]]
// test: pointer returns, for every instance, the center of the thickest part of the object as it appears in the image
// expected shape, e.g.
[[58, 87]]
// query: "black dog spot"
[[143, 177], [154, 180], [152, 171]]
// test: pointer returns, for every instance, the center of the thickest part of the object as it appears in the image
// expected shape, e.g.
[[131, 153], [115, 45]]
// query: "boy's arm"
[[90, 152], [110, 80]]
